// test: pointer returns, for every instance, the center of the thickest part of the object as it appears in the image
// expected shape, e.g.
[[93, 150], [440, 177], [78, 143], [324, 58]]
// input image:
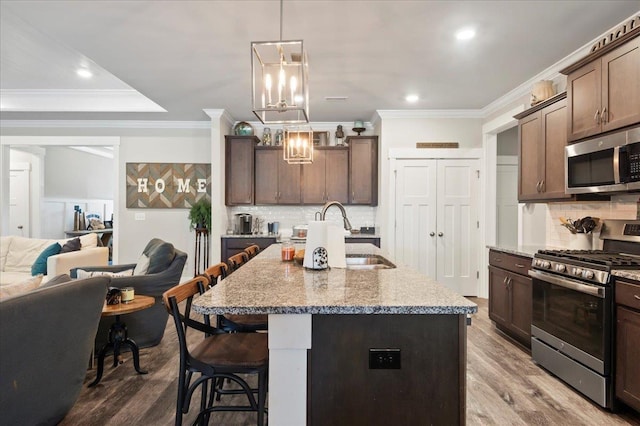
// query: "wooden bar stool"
[[237, 260], [252, 251]]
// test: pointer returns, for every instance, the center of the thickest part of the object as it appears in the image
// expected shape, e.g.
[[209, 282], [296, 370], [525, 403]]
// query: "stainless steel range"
[[573, 316]]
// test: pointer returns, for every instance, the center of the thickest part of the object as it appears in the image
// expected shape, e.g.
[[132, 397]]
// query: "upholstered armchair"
[[158, 269], [46, 337]]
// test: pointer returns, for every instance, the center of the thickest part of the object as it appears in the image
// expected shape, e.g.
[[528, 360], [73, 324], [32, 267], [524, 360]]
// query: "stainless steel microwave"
[[608, 163]]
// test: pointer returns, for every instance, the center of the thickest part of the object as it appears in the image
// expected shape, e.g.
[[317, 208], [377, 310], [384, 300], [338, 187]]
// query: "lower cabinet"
[[234, 245], [510, 300], [628, 343]]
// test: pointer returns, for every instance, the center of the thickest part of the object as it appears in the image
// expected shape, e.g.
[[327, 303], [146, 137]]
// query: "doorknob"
[[431, 234], [20, 226], [440, 234]]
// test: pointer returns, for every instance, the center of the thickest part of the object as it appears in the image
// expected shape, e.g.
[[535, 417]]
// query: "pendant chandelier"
[[298, 145], [279, 83]]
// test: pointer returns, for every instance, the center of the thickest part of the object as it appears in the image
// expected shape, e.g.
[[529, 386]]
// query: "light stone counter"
[[631, 274], [266, 285], [293, 297]]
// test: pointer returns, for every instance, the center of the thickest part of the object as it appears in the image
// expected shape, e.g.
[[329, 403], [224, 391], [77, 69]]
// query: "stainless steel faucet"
[[347, 224]]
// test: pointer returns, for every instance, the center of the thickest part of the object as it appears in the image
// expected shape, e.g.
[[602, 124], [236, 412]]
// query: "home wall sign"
[[167, 185]]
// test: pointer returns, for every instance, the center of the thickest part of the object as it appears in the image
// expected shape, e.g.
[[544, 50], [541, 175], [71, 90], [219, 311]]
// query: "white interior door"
[[19, 199], [415, 212], [457, 228]]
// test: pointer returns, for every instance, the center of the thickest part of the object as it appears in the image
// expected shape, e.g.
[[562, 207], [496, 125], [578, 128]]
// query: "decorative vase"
[[243, 129], [541, 91]]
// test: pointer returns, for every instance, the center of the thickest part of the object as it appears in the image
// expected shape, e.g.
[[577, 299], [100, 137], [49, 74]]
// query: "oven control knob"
[[588, 274], [577, 272], [560, 268]]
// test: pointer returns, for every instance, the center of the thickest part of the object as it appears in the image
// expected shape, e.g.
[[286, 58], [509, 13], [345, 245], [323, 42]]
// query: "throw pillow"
[[39, 267], [81, 273], [71, 245], [21, 287], [58, 279], [160, 254], [142, 266]]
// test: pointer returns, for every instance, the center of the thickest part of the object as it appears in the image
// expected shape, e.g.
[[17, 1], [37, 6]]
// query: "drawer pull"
[[636, 297], [497, 259], [519, 265]]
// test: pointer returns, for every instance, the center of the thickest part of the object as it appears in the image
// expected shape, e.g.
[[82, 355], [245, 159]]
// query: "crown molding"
[[220, 115], [17, 100], [429, 113], [106, 124]]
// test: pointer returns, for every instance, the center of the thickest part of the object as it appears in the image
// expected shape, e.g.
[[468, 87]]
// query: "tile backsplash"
[[288, 216], [620, 207]]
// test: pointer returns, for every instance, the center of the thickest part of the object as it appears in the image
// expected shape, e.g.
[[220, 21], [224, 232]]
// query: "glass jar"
[[288, 251], [266, 136], [279, 137]]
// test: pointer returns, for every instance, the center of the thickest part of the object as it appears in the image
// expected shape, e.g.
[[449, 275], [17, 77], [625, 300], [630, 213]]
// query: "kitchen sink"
[[368, 261]]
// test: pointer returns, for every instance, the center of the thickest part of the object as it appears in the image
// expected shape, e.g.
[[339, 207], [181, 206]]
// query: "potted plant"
[[200, 214]]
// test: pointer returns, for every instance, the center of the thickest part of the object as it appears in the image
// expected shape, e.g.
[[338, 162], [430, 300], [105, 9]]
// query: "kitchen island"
[[353, 346]]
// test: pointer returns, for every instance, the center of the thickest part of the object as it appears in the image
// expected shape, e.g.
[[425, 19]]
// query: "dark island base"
[[429, 388]]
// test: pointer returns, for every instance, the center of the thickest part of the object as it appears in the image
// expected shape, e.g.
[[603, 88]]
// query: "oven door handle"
[[570, 284]]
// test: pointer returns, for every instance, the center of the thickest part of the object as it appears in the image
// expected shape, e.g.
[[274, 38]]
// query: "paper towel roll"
[[329, 236]]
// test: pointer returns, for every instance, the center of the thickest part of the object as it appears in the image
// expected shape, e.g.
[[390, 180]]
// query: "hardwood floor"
[[504, 387]]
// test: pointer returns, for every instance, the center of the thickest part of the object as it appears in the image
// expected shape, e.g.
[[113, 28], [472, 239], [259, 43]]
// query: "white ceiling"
[[179, 57]]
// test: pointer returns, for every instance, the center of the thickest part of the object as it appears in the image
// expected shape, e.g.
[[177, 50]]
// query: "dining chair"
[[252, 251], [218, 356]]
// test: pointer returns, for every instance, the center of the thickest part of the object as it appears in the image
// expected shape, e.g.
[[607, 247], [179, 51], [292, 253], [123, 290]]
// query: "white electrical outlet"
[[140, 216]]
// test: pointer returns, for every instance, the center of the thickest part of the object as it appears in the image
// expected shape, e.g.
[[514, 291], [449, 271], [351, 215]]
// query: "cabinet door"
[[363, 170], [621, 86], [313, 179], [337, 175], [266, 182], [585, 100], [627, 356], [499, 299], [289, 182], [521, 304], [239, 169], [530, 157], [554, 133]]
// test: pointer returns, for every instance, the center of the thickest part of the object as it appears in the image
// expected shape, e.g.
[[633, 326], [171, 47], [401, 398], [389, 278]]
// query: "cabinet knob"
[[440, 234], [431, 234]]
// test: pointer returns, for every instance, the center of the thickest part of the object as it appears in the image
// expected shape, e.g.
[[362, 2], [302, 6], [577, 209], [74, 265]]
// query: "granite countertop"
[[266, 285], [361, 235], [632, 274], [525, 250]]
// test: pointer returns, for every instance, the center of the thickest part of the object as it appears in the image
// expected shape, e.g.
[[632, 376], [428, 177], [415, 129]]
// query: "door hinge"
[[478, 224], [478, 173], [478, 274]]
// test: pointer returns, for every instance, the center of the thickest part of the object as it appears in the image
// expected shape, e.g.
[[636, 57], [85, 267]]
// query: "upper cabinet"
[[363, 170], [604, 93], [276, 181], [327, 178], [542, 139], [239, 169], [258, 175]]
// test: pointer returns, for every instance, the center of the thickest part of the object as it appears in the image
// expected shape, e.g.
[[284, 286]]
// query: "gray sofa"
[[146, 327], [46, 338]]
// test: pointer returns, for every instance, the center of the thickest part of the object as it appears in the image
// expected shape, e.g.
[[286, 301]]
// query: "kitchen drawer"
[[510, 262], [242, 243], [628, 294]]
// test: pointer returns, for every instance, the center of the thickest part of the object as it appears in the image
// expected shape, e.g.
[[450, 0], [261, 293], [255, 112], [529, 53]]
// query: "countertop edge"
[[337, 310]]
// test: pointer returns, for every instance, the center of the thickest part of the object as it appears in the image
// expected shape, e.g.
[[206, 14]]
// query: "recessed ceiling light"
[[84, 73], [466, 34], [412, 98]]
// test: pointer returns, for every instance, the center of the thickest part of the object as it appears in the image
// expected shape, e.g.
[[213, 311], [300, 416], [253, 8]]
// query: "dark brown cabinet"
[[510, 300], [276, 181], [327, 178], [234, 245], [363, 170], [628, 343], [604, 94], [542, 139], [239, 169]]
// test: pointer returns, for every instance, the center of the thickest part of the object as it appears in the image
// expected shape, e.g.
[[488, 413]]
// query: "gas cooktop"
[[595, 257]]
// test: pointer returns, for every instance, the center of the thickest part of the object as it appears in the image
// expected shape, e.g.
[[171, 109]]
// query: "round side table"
[[118, 333]]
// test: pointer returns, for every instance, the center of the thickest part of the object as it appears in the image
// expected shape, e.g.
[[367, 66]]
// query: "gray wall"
[[508, 142], [69, 173]]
